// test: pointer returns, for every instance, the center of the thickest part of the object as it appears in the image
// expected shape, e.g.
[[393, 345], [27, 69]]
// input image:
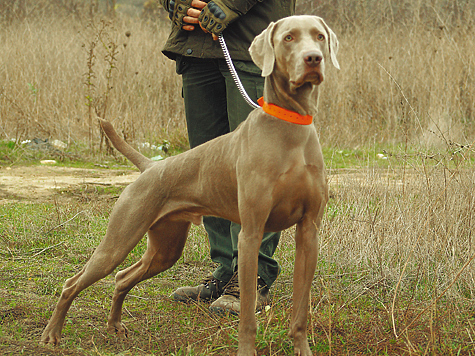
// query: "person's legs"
[[221, 246], [268, 268], [204, 94], [213, 107], [238, 110]]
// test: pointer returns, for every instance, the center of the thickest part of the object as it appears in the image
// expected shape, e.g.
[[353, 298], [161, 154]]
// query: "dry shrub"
[[53, 71]]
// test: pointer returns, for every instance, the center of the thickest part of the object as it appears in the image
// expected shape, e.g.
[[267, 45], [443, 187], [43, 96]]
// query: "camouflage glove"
[[216, 16], [177, 11]]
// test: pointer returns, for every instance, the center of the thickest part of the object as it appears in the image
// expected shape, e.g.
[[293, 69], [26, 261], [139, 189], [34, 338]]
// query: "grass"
[[336, 158], [406, 76], [394, 243], [395, 272], [28, 153]]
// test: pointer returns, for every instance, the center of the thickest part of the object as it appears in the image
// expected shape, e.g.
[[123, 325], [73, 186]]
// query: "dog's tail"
[[138, 159]]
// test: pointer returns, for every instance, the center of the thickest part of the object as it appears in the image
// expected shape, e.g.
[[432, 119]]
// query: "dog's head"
[[297, 47]]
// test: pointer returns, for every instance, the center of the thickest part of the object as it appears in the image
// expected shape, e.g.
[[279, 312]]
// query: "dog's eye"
[[321, 37], [288, 38]]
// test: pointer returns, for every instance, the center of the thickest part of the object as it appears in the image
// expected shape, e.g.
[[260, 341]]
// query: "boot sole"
[[223, 311], [183, 299]]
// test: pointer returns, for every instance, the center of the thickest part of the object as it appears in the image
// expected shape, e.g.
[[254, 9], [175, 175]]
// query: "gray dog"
[[267, 175]]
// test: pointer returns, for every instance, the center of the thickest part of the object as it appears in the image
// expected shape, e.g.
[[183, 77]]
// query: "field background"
[[397, 124]]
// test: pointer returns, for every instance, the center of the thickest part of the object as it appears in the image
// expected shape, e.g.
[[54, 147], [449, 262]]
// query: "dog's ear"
[[262, 50], [332, 43]]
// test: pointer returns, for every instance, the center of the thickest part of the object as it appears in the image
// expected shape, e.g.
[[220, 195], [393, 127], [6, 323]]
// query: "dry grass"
[[52, 73], [407, 71], [395, 272], [407, 75], [396, 262]]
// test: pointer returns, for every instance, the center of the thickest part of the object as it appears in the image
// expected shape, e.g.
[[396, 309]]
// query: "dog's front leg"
[[254, 211], [306, 254], [248, 251]]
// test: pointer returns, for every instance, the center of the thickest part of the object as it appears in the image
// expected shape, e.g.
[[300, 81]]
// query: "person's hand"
[[215, 17], [212, 34], [192, 15]]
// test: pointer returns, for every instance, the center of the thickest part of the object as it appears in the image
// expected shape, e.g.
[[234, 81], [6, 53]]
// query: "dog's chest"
[[297, 192]]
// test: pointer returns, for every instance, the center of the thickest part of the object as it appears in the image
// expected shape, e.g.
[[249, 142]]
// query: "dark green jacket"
[[255, 16]]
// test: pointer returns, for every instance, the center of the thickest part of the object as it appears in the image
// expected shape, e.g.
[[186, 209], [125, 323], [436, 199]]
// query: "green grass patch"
[[79, 155], [336, 158]]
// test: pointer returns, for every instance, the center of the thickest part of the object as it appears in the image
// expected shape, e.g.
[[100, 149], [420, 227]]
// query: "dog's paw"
[[305, 351], [246, 352], [50, 337], [118, 328]]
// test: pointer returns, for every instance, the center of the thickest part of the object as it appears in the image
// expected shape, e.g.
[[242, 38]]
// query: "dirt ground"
[[40, 182], [36, 183]]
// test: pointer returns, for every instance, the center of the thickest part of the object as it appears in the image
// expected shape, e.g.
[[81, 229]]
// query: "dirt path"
[[40, 182]]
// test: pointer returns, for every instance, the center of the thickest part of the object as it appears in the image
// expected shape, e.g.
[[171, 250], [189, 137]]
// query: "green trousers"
[[214, 107]]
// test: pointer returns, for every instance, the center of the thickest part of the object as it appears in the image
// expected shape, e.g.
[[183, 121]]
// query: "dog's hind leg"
[[127, 226], [164, 247], [102, 263]]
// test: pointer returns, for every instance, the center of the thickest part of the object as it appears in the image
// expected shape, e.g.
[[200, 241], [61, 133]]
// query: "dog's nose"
[[312, 58]]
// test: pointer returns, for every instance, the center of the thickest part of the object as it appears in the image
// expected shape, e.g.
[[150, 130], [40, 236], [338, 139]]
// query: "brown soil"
[[40, 182]]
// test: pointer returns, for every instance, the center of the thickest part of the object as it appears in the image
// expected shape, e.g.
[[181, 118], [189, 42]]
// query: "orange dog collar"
[[284, 114]]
